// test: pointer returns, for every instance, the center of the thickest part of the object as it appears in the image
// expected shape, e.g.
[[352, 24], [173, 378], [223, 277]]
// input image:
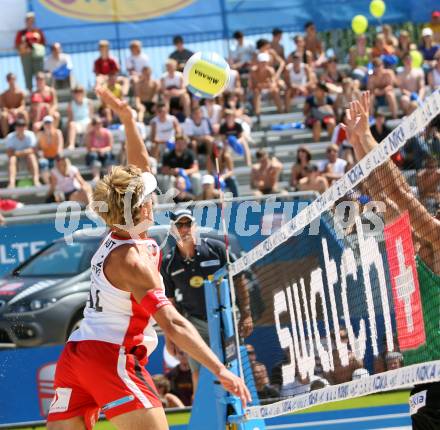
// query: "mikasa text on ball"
[[206, 74]]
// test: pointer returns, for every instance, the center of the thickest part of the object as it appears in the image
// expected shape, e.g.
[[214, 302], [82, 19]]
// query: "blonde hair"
[[112, 190]]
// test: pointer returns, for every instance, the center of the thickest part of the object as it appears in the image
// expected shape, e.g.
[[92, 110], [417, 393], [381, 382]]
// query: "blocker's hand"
[[119, 107], [234, 385]]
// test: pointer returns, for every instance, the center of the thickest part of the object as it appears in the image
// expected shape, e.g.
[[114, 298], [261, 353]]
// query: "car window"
[[61, 259]]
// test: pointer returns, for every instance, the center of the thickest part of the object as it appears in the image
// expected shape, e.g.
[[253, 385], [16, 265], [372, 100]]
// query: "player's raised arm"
[[137, 153]]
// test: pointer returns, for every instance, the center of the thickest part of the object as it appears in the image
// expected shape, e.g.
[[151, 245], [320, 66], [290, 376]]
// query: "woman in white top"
[[299, 80], [213, 112], [66, 183], [164, 128], [172, 87], [434, 74], [79, 115]]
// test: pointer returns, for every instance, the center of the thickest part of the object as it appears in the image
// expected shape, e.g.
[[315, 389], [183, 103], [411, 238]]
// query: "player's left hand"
[[234, 385], [245, 326]]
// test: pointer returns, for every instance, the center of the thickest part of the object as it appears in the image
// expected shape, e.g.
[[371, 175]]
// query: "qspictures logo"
[[114, 10]]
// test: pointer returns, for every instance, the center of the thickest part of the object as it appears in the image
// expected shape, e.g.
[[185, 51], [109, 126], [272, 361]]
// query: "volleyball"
[[206, 74]]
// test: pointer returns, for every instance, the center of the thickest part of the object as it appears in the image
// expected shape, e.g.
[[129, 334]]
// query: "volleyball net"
[[349, 289]]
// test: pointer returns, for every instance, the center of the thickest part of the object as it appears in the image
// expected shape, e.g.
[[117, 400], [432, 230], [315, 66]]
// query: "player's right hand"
[[234, 385]]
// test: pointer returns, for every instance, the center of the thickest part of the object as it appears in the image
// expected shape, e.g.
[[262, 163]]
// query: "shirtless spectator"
[[164, 128], [12, 104], [263, 81], [277, 35], [299, 79], [313, 181], [172, 87], [381, 86], [275, 61], [181, 55], [79, 115], [21, 144], [199, 131], [241, 56], [146, 92], [44, 101], [411, 82], [265, 174], [334, 167], [137, 61], [428, 183], [389, 37], [300, 49], [314, 44], [299, 169]]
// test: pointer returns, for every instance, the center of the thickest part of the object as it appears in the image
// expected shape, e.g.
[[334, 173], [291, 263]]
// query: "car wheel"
[[75, 323]]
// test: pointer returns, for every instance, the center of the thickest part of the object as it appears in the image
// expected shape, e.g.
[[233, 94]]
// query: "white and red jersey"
[[113, 315]]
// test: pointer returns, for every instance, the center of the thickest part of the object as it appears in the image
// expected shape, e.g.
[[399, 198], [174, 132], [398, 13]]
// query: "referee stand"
[[213, 407]]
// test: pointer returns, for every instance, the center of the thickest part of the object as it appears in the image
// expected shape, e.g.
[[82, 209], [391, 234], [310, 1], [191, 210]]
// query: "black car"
[[42, 300]]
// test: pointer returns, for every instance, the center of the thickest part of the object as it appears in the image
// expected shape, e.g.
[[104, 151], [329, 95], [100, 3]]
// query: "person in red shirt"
[[105, 64], [30, 43]]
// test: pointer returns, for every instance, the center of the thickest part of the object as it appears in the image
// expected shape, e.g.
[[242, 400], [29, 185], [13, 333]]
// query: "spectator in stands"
[[226, 173], [434, 25], [181, 161], [180, 379], [58, 66], [264, 389], [181, 55], [20, 144], [199, 131], [332, 76], [379, 129], [116, 88], [381, 84], [350, 92], [314, 44], [241, 56], [164, 128], [277, 35], [403, 45], [428, 183], [390, 39], [212, 111], [50, 143], [434, 74], [428, 48], [79, 115], [359, 56], [136, 61], [313, 181], [181, 193], [381, 48], [251, 353], [277, 62], [30, 44], [265, 174], [163, 388], [300, 49], [262, 81], [99, 143], [146, 93], [393, 360], [209, 190], [300, 80], [172, 87], [232, 132], [105, 64], [44, 101], [299, 169], [234, 86], [12, 105], [411, 82], [319, 112], [334, 167]]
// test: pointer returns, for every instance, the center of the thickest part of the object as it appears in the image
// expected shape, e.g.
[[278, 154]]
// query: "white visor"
[[150, 184]]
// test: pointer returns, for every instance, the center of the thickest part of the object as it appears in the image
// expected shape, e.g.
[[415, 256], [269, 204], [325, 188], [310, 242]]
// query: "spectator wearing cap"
[[30, 44], [334, 167], [67, 184], [21, 144], [265, 174], [146, 94], [173, 89], [136, 61], [44, 101], [299, 168], [184, 270], [434, 25], [241, 55], [181, 55], [181, 161], [275, 44], [99, 143], [58, 66], [313, 181], [79, 115], [50, 144], [12, 105], [314, 44], [277, 62], [319, 112], [381, 85], [263, 81], [209, 190], [105, 64], [428, 48], [300, 49], [225, 173], [199, 131], [300, 80]]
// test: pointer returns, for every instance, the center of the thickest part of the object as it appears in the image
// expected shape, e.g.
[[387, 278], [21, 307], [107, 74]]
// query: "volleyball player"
[[102, 365]]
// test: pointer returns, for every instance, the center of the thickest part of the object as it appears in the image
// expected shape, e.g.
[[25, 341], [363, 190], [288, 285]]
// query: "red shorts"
[[93, 375]]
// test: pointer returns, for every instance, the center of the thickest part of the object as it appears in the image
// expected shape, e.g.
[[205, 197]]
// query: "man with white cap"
[[262, 81]]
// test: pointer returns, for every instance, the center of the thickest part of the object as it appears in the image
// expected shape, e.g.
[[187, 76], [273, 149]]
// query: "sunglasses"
[[181, 224]]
